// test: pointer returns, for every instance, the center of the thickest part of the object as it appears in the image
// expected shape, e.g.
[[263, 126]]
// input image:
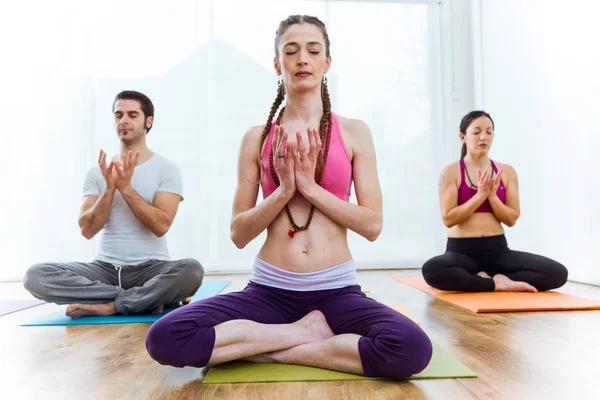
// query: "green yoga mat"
[[442, 365], [208, 289]]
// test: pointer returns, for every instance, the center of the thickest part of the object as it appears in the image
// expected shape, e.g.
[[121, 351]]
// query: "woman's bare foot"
[[505, 284], [483, 274], [314, 325], [158, 310], [84, 310]]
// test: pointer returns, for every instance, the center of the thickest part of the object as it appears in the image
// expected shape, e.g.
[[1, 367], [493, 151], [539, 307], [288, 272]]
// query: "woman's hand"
[[305, 160], [484, 184], [283, 161], [496, 184]]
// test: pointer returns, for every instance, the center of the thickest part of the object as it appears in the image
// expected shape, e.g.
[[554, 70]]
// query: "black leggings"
[[457, 268]]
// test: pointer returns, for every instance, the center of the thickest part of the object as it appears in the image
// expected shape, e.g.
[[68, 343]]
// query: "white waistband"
[[336, 277]]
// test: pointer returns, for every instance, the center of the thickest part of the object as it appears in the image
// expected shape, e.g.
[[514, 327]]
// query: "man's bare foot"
[[84, 310], [483, 274], [158, 310], [505, 284]]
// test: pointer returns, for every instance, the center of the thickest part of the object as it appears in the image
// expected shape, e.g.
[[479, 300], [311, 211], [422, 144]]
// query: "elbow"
[[87, 233], [448, 222], [510, 222], [163, 227], [235, 238], [85, 228], [374, 230], [161, 231]]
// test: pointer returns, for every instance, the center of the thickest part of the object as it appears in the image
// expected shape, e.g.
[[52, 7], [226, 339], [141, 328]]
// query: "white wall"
[[540, 80], [67, 61], [457, 71]]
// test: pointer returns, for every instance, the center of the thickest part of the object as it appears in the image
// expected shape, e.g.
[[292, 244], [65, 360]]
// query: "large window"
[[208, 67]]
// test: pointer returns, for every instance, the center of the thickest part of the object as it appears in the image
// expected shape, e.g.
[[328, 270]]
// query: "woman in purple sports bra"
[[477, 196], [302, 305]]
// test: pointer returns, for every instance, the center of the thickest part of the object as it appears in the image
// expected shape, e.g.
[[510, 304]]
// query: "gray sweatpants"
[[134, 289]]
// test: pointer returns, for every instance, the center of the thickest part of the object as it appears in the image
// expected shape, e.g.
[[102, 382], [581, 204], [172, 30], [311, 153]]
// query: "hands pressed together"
[[487, 186], [295, 163], [118, 176]]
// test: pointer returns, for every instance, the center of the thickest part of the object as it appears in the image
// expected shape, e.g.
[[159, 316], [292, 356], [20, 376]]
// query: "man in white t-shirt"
[[133, 201]]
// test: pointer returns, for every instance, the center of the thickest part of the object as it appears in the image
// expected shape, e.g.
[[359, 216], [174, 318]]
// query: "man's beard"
[[132, 138]]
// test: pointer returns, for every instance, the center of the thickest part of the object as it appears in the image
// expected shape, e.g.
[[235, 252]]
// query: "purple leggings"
[[391, 346]]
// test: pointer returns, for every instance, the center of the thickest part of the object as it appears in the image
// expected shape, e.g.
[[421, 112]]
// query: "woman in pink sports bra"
[[303, 304], [477, 196]]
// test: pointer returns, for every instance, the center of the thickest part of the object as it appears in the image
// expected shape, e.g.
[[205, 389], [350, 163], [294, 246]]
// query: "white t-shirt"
[[124, 239]]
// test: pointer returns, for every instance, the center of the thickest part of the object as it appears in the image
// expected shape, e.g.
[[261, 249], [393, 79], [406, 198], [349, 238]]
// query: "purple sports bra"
[[465, 192]]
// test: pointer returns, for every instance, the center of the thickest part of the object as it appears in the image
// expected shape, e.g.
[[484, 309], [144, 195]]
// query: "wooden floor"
[[541, 355]]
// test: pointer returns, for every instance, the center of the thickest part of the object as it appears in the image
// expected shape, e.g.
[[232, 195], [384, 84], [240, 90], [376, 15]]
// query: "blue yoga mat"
[[208, 289]]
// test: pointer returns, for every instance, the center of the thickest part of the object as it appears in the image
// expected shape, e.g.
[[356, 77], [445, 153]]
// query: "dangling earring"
[[324, 80], [281, 86]]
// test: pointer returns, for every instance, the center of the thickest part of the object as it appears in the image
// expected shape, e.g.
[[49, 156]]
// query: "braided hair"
[[324, 126]]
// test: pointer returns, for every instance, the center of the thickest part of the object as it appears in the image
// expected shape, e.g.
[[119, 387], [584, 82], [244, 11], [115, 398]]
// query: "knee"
[[431, 272], [179, 343], [191, 272], [33, 280], [557, 275], [416, 354], [158, 342], [404, 355]]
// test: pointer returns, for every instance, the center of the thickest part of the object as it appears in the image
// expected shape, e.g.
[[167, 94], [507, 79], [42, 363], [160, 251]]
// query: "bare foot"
[[483, 274], [158, 310], [84, 310], [505, 284], [315, 326]]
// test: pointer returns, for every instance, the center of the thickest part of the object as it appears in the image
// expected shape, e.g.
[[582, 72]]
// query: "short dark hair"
[[145, 103]]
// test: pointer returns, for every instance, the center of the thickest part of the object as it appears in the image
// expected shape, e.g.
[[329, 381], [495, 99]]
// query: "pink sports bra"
[[337, 177]]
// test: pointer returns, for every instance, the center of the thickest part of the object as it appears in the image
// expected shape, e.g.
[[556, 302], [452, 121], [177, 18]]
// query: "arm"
[[366, 218], [248, 219], [158, 216], [508, 212], [96, 206], [94, 213], [452, 213]]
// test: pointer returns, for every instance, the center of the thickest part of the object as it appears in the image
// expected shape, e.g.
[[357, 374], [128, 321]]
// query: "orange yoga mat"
[[486, 302]]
